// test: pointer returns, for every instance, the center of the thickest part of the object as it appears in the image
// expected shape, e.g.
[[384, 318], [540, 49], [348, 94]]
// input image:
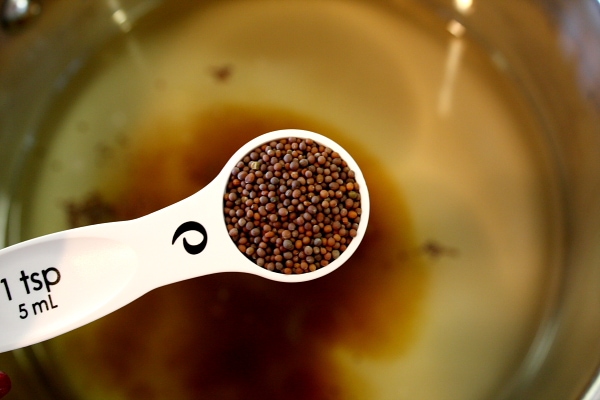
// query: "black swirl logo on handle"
[[187, 227]]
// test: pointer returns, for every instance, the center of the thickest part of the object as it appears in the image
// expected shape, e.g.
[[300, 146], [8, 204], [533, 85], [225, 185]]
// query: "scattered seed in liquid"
[[292, 206]]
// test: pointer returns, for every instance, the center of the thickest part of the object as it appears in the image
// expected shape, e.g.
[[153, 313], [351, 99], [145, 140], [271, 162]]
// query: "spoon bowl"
[[58, 282]]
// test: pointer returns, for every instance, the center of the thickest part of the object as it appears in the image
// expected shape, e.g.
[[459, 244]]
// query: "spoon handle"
[[54, 283], [58, 282]]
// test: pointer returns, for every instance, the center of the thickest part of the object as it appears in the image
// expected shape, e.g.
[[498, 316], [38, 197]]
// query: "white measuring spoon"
[[59, 282]]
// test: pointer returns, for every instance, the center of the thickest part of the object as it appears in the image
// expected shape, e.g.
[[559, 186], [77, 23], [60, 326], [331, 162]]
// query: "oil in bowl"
[[446, 293]]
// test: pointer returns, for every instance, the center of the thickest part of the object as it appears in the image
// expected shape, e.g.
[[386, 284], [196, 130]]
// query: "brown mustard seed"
[[292, 206]]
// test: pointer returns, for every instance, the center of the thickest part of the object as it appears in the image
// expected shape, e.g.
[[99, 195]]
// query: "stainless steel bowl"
[[478, 121]]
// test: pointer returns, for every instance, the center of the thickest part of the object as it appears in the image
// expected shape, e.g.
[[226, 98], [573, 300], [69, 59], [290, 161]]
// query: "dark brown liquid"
[[236, 336]]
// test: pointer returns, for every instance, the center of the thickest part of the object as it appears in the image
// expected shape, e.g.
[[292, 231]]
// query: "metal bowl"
[[477, 126]]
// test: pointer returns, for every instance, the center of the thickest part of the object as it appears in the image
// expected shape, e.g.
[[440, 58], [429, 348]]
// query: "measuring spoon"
[[58, 282]]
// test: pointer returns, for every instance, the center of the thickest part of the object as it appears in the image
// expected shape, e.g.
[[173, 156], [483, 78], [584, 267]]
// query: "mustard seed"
[[292, 205]]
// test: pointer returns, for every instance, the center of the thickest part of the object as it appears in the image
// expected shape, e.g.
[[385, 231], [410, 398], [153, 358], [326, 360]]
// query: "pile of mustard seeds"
[[292, 205]]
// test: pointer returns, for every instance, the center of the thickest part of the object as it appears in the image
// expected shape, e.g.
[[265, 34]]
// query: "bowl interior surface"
[[480, 248]]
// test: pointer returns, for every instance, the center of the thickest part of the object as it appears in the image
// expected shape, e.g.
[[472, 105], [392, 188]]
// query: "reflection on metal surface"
[[125, 16], [580, 46], [463, 6], [455, 51], [456, 28], [16, 13], [119, 16]]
